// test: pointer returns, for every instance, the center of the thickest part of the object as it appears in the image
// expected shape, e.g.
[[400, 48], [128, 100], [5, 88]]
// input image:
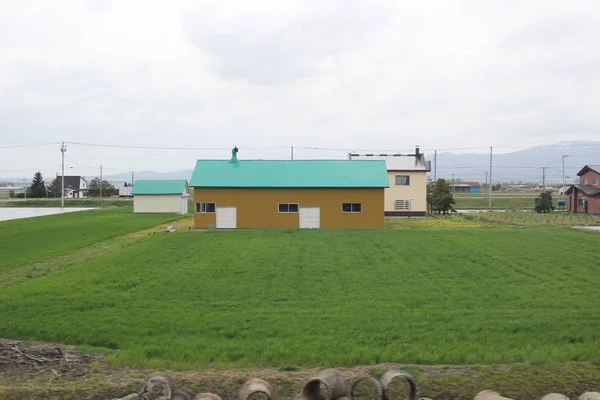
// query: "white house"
[[407, 173], [75, 186], [161, 196]]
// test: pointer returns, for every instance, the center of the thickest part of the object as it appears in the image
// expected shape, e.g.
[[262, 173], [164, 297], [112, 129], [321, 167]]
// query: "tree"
[[38, 187], [543, 203], [97, 186], [54, 188], [440, 199]]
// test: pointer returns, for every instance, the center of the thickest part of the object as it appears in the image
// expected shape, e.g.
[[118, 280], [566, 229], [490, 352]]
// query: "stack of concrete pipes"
[[330, 384]]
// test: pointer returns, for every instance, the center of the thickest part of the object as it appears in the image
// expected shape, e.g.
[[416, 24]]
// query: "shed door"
[[184, 204], [310, 217], [226, 218]]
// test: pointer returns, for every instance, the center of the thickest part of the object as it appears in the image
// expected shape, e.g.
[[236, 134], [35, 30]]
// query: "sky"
[[382, 75]]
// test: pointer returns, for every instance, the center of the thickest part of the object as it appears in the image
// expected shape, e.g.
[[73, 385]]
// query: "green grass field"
[[29, 240], [426, 295], [504, 202]]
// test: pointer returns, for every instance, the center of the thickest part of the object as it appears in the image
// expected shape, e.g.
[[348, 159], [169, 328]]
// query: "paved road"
[[590, 228]]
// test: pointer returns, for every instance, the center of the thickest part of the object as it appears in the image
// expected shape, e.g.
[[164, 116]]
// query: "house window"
[[402, 180], [206, 208], [581, 201], [595, 181], [351, 207], [585, 181], [402, 205], [288, 207]]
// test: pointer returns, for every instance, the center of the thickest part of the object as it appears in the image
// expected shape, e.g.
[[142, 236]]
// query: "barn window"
[[288, 207], [351, 207], [206, 208], [402, 180], [402, 205]]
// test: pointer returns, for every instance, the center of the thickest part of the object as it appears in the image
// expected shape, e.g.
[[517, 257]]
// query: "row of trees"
[[38, 188]]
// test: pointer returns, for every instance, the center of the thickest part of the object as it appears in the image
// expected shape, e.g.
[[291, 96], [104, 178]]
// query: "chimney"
[[417, 153], [234, 159]]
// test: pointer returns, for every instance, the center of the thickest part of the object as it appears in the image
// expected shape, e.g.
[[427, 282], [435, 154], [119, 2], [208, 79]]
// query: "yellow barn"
[[289, 193]]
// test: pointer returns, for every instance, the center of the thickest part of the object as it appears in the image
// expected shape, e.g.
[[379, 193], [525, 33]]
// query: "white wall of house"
[[157, 203], [415, 192]]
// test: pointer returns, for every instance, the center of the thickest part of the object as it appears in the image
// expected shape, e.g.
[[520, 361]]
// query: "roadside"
[[48, 371]]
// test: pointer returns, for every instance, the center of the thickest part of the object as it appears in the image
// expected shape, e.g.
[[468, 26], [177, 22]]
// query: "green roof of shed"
[[165, 186], [290, 174]]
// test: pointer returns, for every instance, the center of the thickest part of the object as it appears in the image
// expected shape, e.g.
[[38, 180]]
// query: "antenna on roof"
[[234, 159]]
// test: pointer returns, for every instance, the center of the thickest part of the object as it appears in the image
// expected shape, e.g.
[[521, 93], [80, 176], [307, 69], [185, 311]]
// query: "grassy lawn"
[[534, 219], [323, 298], [498, 202], [30, 240]]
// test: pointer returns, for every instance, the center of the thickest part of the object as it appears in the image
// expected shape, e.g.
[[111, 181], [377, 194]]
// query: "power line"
[[171, 148], [28, 145]]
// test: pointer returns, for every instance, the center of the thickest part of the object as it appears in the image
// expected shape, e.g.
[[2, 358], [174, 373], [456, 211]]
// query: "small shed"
[[161, 196]]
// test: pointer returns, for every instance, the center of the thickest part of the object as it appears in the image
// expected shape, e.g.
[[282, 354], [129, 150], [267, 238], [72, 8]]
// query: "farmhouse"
[[289, 193], [585, 196], [75, 186], [160, 196], [406, 195]]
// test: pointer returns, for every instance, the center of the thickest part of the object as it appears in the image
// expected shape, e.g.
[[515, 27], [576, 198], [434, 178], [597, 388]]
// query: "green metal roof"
[[165, 186], [291, 174]]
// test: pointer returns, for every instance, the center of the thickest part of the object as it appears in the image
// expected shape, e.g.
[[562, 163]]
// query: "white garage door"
[[226, 217], [184, 204], [310, 217]]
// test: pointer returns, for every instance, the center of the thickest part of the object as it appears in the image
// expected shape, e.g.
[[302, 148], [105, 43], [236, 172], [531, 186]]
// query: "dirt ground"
[[35, 370]]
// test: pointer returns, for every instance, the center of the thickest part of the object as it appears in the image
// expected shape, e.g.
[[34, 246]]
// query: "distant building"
[[161, 196], [465, 187], [406, 195], [75, 186], [585, 196]]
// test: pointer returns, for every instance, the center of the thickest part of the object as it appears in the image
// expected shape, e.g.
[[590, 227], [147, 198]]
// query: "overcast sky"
[[343, 74]]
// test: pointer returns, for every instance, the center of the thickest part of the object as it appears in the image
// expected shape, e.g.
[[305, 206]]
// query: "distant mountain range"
[[524, 165]]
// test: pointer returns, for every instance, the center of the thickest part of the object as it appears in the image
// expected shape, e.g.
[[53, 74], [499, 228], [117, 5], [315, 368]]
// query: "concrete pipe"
[[207, 396], [179, 394], [555, 396], [590, 396], [489, 395], [157, 386], [390, 376], [365, 378], [334, 382], [256, 386]]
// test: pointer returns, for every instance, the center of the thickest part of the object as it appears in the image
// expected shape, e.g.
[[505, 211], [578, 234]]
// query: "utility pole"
[[544, 178], [486, 178], [101, 183], [563, 169], [435, 166], [63, 149], [490, 197], [292, 152], [132, 178]]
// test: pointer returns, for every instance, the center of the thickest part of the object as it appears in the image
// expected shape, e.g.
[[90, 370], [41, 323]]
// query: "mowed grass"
[[324, 298], [29, 240]]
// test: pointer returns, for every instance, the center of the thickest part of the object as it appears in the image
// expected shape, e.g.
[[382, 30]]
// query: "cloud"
[[338, 74]]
